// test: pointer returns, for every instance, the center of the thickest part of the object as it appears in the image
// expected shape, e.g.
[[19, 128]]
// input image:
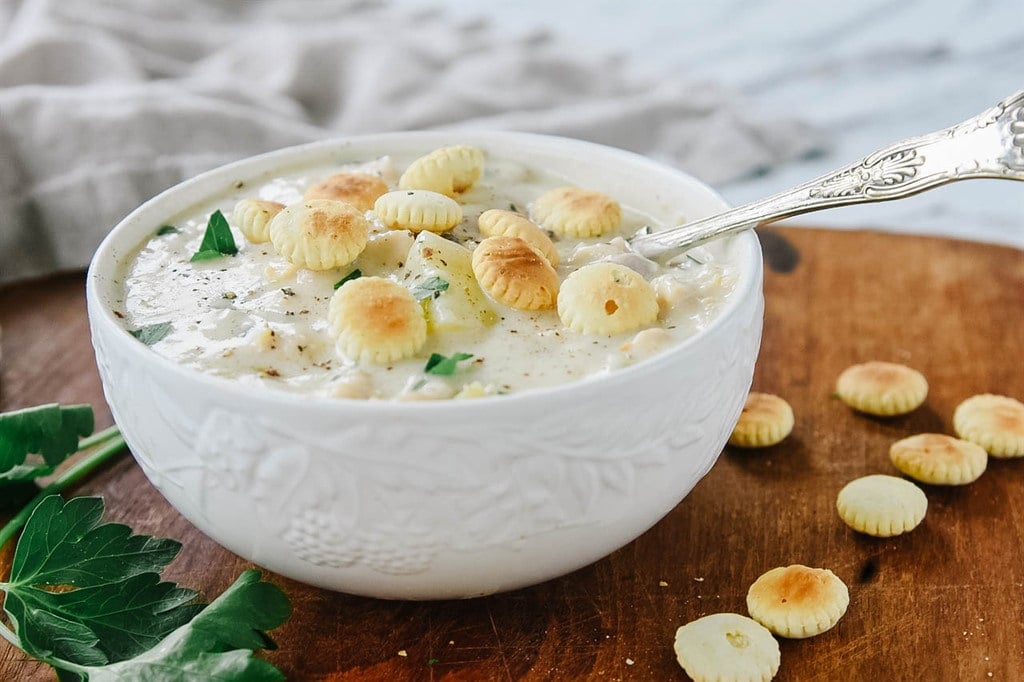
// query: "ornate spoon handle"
[[990, 145]]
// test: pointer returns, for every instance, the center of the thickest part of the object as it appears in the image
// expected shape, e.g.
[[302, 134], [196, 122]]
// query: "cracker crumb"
[[700, 580], [630, 661], [662, 583], [403, 653]]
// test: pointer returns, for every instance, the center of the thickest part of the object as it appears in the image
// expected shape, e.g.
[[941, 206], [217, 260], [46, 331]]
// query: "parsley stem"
[[10, 637], [73, 474], [98, 437]]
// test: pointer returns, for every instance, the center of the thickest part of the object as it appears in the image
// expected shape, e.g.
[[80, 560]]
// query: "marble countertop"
[[864, 74]]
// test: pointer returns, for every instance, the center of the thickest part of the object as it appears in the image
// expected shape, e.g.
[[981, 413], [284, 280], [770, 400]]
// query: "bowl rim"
[[748, 257]]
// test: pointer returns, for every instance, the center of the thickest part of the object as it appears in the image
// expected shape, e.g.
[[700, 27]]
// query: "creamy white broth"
[[256, 319]]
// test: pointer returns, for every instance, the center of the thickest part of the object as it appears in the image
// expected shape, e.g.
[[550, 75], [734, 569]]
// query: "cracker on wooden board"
[[995, 422], [797, 601], [727, 646], [883, 389], [766, 420], [881, 505], [938, 459]]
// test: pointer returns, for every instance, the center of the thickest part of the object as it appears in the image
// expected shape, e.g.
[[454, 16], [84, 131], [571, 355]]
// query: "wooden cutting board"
[[944, 602]]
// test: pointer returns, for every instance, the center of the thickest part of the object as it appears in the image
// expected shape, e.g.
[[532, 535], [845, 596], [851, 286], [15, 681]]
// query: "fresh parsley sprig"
[[151, 333], [86, 597], [89, 593], [355, 274], [443, 365], [35, 440], [217, 644], [217, 240], [433, 287]]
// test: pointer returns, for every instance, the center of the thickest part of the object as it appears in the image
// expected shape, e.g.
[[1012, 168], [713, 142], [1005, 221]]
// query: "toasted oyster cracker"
[[766, 420], [727, 647], [797, 601], [606, 298], [995, 422], [577, 212], [253, 216], [358, 189], [938, 459], [376, 320], [884, 389], [514, 273], [448, 170], [881, 505], [319, 234], [417, 210], [497, 222]]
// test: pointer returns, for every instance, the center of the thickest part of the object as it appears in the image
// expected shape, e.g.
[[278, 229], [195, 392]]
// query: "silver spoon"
[[990, 145]]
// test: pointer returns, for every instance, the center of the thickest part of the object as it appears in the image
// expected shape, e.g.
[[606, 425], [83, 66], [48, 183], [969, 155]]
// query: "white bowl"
[[439, 499]]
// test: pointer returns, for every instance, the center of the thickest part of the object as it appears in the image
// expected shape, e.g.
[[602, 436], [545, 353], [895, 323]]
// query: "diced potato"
[[384, 253], [463, 304]]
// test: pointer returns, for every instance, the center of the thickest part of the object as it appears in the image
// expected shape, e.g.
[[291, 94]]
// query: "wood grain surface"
[[945, 602]]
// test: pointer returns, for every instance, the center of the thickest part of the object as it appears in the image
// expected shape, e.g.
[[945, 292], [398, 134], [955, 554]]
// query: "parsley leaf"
[[151, 333], [217, 241], [355, 274], [50, 431], [167, 229], [217, 644], [445, 366], [86, 597], [431, 287], [116, 607]]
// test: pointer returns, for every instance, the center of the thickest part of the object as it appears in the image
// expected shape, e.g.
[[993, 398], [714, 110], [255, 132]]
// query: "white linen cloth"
[[104, 103]]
